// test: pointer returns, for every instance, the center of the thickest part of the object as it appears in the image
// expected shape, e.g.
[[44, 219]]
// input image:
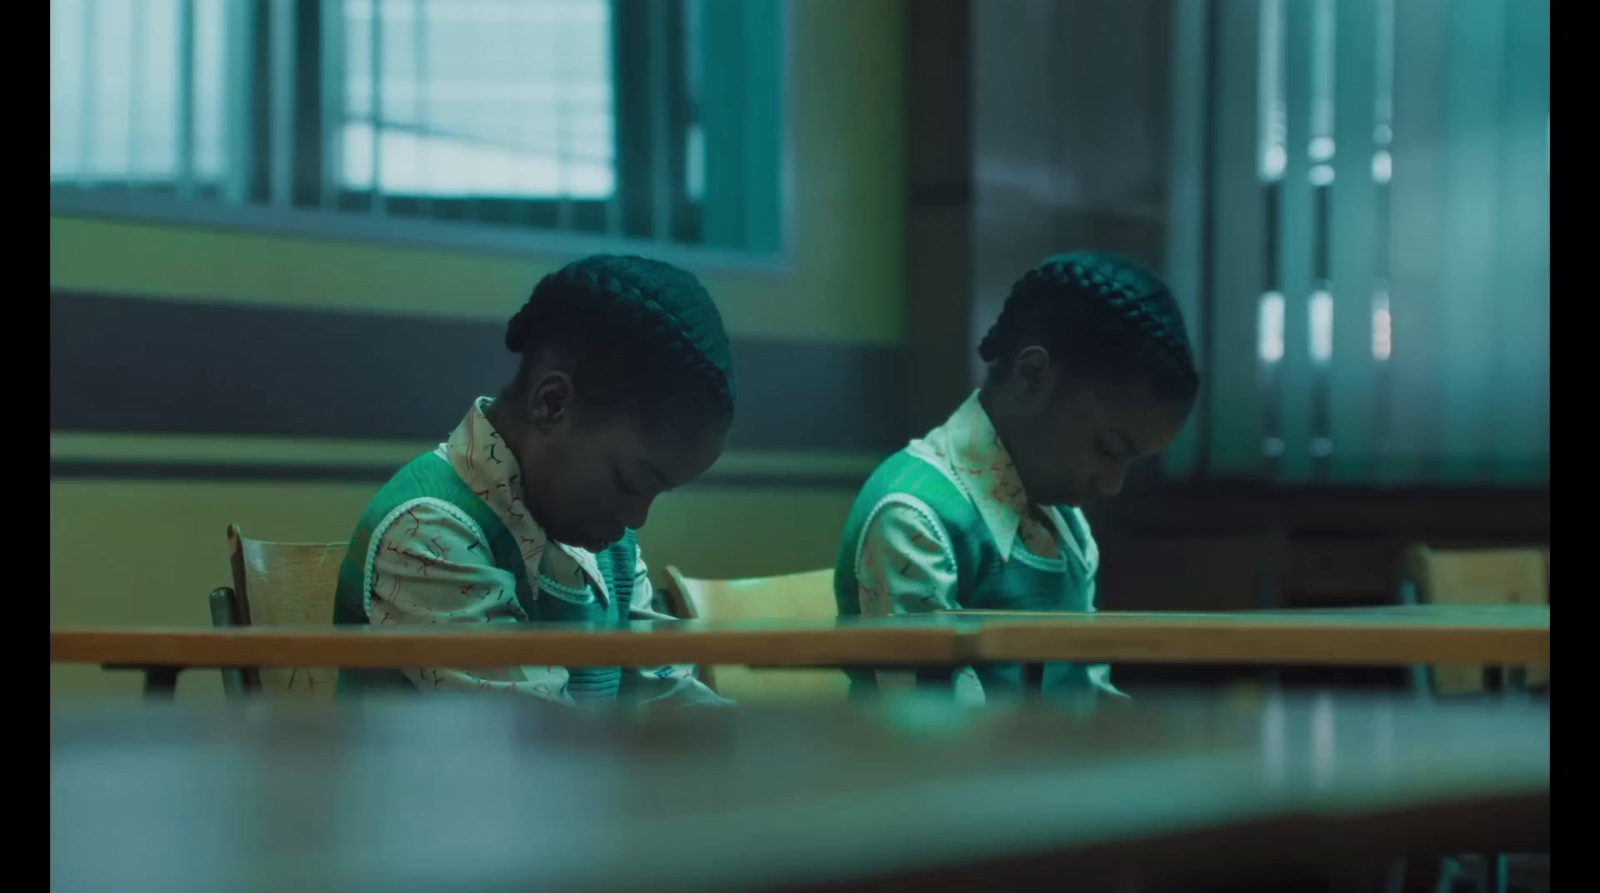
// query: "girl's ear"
[[549, 399], [1031, 367]]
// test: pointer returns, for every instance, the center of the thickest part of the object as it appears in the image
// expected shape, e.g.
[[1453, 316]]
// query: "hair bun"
[[661, 309], [1100, 303]]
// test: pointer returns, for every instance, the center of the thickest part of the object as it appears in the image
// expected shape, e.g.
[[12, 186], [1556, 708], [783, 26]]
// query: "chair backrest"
[[1475, 577], [284, 584], [804, 596]]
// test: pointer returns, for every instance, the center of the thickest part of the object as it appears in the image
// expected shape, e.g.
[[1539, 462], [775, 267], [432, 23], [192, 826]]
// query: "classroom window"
[[118, 83], [478, 99], [1370, 257], [486, 122]]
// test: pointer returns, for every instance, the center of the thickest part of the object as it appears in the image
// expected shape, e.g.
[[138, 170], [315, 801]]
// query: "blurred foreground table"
[[479, 795]]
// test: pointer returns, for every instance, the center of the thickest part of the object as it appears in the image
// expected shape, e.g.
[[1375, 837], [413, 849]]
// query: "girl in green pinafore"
[[527, 512], [1090, 370]]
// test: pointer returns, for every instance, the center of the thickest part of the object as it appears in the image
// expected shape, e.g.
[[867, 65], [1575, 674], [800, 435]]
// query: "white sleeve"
[[432, 566], [904, 562], [906, 565]]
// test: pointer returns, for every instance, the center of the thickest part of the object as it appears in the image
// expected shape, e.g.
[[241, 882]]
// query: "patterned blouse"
[[434, 566], [905, 563]]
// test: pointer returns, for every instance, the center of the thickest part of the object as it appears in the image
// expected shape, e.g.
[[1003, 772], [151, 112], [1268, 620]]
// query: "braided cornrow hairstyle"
[[1098, 314], [633, 333]]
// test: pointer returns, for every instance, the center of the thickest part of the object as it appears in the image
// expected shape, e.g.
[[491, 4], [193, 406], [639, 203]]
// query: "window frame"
[[346, 215]]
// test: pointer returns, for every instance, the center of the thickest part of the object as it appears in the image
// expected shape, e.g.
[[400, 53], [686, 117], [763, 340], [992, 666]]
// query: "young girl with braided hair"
[[527, 512], [1090, 370]]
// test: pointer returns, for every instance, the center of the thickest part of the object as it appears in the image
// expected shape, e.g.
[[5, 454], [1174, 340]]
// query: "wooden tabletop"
[[1432, 634], [1435, 634], [930, 639], [490, 796]]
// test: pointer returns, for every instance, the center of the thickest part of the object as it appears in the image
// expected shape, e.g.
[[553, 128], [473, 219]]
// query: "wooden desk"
[[1512, 635], [1431, 634], [473, 795], [932, 639]]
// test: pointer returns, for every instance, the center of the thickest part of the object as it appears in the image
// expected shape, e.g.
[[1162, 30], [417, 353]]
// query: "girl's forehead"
[[1142, 425]]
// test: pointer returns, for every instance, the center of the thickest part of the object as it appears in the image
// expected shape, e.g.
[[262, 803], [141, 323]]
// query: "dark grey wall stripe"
[[93, 469], [139, 365]]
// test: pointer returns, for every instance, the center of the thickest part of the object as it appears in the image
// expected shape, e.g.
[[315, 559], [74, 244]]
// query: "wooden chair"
[[1479, 577], [1475, 577], [805, 596], [282, 584]]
